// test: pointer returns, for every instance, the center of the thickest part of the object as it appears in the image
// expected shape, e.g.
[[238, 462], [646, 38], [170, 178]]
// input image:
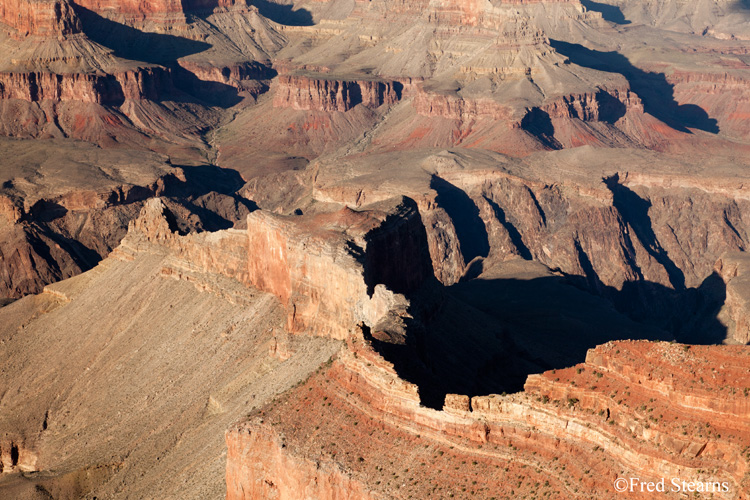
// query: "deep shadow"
[[154, 48], [355, 94], [610, 13], [515, 236], [398, 254], [470, 229], [485, 336], [654, 90], [610, 109], [283, 14], [398, 88], [537, 122], [634, 211], [45, 211], [130, 43], [200, 182]]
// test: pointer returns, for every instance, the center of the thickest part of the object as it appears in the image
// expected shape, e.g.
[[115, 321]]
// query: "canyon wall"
[[733, 268], [160, 11], [331, 272], [327, 94], [515, 443], [46, 18], [142, 83]]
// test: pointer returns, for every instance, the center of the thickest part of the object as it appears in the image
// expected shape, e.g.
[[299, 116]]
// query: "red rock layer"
[[456, 108], [141, 10], [325, 94], [634, 409], [143, 83], [40, 17], [329, 271]]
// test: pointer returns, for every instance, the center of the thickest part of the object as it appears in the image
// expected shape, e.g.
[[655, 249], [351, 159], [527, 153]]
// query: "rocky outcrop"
[[15, 456], [573, 431], [331, 272], [282, 475], [328, 94], [733, 269], [456, 108], [143, 83], [46, 18]]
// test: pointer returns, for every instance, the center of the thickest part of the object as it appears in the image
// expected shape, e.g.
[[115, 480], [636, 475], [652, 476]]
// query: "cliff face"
[[144, 83], [733, 269], [329, 271], [539, 442], [325, 94], [46, 18], [158, 11], [158, 338]]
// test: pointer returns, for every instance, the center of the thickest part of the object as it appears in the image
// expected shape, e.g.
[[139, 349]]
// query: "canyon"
[[346, 249]]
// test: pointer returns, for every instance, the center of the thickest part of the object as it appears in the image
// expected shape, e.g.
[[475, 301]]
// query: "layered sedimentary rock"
[[327, 94], [40, 17], [331, 272], [144, 83], [161, 11], [118, 404], [565, 436]]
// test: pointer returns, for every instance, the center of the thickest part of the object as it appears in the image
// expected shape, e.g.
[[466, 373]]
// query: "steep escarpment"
[[327, 94], [165, 12], [40, 17], [64, 212], [551, 440], [631, 235], [145, 83], [332, 271], [154, 411], [732, 267]]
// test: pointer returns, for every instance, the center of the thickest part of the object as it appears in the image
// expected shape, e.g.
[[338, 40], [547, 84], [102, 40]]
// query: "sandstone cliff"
[[46, 18], [326, 94], [331, 272], [564, 436]]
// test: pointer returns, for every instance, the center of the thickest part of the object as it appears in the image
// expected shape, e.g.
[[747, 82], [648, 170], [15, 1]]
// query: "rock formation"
[[373, 249], [563, 436], [40, 17]]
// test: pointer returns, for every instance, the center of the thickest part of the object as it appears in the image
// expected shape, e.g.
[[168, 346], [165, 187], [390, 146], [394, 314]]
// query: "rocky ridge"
[[537, 442]]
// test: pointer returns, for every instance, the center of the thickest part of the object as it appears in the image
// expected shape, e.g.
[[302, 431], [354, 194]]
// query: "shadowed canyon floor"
[[350, 249]]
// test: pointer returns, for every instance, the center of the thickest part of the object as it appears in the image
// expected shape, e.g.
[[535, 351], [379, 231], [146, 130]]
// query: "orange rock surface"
[[633, 409]]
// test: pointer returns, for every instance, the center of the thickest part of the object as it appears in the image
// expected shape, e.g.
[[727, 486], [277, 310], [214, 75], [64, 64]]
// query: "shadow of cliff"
[[129, 43], [485, 336], [634, 211], [538, 123], [610, 109], [610, 13], [194, 192], [156, 48], [284, 14], [513, 232], [470, 229], [654, 90]]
